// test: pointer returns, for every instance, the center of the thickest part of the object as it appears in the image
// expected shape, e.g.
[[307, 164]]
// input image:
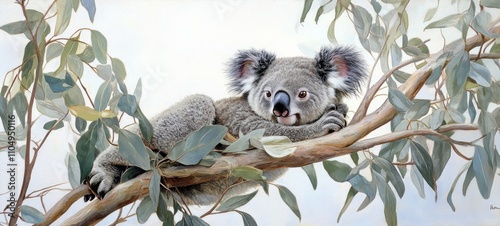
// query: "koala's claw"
[[100, 183], [333, 120]]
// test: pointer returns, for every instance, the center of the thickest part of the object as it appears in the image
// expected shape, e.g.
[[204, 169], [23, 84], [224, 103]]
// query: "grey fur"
[[258, 76]]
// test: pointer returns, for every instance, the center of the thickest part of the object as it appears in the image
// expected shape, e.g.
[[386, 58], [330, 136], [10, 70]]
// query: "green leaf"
[[430, 13], [437, 119], [484, 97], [468, 179], [472, 108], [423, 161], [388, 198], [350, 196], [89, 5], [70, 48], [452, 188], [102, 97], [418, 110], [15, 28], [440, 155], [73, 168], [321, 10], [392, 174], [144, 125], [104, 72], [247, 219], [311, 174], [235, 202], [481, 22], [197, 145], [138, 90], [154, 188], [50, 124], [21, 106], [87, 55], [456, 72], [130, 146], [483, 171], [131, 173], [362, 21], [31, 215], [90, 114], [490, 3], [118, 68], [361, 184], [248, 173], [99, 45], [480, 74], [275, 146], [338, 171], [418, 181], [289, 199], [449, 21], [145, 209], [243, 143], [305, 9], [63, 15], [29, 65], [53, 50], [399, 100], [58, 85], [456, 115], [75, 66], [436, 73], [164, 214], [86, 152], [486, 122], [128, 104]]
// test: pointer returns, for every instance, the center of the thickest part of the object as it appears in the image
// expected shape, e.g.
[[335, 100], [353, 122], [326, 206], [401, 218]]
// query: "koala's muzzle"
[[281, 104]]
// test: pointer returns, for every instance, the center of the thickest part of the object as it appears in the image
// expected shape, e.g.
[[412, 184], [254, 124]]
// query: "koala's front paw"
[[101, 181], [333, 120]]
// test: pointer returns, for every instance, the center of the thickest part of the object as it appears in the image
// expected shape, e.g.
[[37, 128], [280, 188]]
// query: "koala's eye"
[[302, 94], [268, 94]]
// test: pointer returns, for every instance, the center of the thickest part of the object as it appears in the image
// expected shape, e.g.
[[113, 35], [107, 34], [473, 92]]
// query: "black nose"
[[281, 104]]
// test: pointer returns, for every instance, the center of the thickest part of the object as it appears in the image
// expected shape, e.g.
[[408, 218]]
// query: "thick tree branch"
[[340, 143]]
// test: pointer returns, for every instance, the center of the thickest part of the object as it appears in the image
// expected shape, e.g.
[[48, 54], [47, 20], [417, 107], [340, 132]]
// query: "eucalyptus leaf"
[[437, 119], [483, 171], [289, 199], [64, 8], [86, 152], [235, 202], [243, 143], [392, 174], [311, 174], [399, 100], [154, 188], [89, 5], [99, 45], [248, 173], [490, 3], [130, 146], [51, 125], [31, 215], [128, 104], [423, 161], [247, 219], [418, 110], [197, 145], [73, 168], [480, 74], [275, 146], [338, 171], [53, 50], [456, 72], [350, 196], [102, 97], [452, 188], [118, 68], [145, 209], [448, 21], [21, 106], [305, 9], [486, 122], [418, 181], [441, 153]]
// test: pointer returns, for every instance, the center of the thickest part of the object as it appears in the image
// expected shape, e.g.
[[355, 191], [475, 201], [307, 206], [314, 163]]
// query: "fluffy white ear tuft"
[[341, 68], [246, 68]]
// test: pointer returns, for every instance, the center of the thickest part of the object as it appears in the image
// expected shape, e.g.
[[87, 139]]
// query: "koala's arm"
[[237, 115], [169, 127]]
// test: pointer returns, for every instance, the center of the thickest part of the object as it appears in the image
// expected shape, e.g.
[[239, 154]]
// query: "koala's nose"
[[281, 104]]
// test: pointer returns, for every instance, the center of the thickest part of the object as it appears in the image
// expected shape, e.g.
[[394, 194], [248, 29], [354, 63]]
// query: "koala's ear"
[[342, 68], [246, 68]]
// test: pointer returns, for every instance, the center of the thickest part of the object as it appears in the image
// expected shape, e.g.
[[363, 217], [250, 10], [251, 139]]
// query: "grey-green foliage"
[[60, 94], [472, 89]]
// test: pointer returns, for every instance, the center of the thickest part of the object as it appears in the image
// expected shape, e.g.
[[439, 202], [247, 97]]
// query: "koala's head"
[[296, 90]]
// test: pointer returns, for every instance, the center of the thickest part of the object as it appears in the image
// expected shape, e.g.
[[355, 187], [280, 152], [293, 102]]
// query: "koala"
[[297, 97]]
